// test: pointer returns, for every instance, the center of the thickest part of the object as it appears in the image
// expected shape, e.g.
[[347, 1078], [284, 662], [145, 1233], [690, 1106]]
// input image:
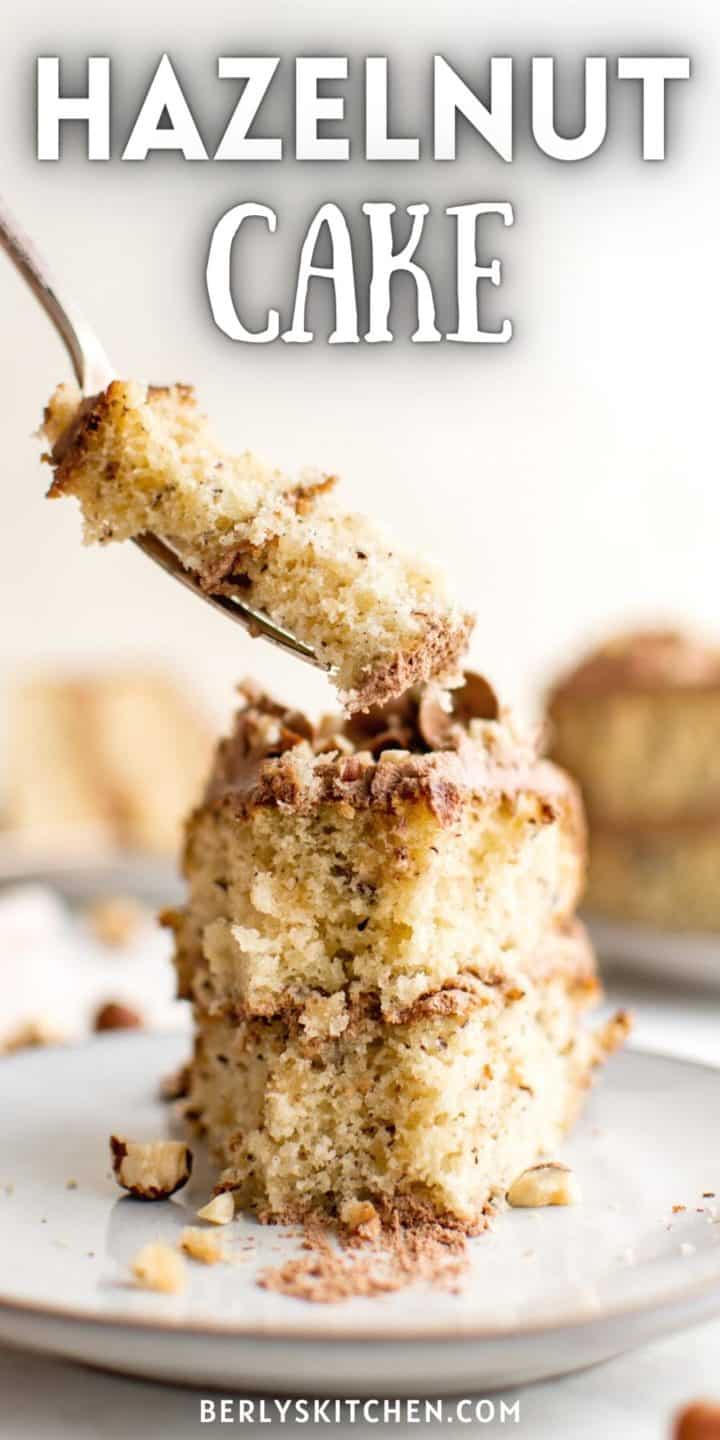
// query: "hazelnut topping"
[[152, 1170]]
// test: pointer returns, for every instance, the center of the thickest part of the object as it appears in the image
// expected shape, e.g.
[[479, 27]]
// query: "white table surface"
[[632, 1398]]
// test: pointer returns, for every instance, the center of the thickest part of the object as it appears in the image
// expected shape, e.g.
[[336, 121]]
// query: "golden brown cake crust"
[[71, 437]]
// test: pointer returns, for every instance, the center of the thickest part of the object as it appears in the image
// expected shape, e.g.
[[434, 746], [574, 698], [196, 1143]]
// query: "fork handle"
[[90, 364]]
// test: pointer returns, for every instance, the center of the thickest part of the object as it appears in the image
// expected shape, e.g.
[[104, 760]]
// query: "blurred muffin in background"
[[637, 723], [111, 760]]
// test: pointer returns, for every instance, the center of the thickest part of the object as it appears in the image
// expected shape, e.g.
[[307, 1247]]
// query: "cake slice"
[[637, 723], [665, 876], [88, 760], [144, 460], [428, 1119], [387, 980], [392, 856]]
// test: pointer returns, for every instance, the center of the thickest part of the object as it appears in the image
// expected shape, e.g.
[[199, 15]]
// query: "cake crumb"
[[676, 1209], [115, 920], [398, 1257], [686, 1248], [201, 1245], [71, 1184], [158, 1267]]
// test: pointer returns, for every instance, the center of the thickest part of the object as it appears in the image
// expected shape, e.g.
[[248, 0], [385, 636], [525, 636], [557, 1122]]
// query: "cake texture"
[[638, 725], [390, 869], [379, 944], [434, 1116], [144, 460], [89, 763]]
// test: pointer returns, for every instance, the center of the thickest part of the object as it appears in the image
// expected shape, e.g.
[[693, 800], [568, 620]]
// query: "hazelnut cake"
[[144, 460], [638, 725], [88, 761], [380, 947]]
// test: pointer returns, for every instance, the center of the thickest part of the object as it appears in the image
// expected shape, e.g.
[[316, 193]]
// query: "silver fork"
[[93, 373]]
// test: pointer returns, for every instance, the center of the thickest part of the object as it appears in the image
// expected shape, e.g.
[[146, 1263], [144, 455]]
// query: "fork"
[[94, 373]]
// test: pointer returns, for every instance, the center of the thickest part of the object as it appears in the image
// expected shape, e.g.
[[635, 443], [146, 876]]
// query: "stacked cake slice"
[[637, 722], [380, 946]]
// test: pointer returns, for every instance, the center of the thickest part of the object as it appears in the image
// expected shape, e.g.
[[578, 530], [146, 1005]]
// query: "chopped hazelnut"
[[201, 1245], [152, 1170], [475, 699], [220, 1210], [336, 741], [115, 1016], [158, 1267], [361, 1216], [434, 717], [699, 1421], [549, 1183]]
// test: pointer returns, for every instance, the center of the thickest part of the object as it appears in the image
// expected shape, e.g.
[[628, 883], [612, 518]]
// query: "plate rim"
[[170, 1325]]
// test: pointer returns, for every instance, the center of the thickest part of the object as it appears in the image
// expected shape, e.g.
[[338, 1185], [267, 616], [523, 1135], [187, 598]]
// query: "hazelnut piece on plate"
[[151, 1170]]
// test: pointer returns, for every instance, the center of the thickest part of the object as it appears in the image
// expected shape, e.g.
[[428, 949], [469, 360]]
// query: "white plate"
[[678, 956], [549, 1291], [57, 972], [81, 876]]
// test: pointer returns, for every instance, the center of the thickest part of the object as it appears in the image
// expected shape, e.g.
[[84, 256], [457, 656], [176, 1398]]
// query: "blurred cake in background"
[[111, 760], [637, 723]]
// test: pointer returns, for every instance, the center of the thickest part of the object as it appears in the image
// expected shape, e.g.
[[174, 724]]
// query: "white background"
[[568, 479]]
